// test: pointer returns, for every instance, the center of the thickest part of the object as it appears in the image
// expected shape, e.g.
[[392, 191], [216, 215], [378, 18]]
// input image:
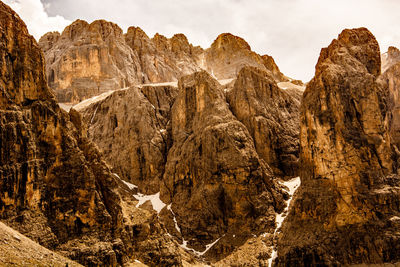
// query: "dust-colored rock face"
[[54, 185], [345, 210], [391, 79], [162, 59], [228, 54], [131, 128], [272, 117], [215, 181], [88, 59], [391, 57]]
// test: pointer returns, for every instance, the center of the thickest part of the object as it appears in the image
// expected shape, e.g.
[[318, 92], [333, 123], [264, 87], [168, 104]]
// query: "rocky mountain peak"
[[347, 161], [360, 44], [391, 57], [19, 52], [228, 41]]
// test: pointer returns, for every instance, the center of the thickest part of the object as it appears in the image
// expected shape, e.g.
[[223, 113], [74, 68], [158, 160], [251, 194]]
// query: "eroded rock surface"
[[346, 210], [89, 59], [272, 117], [228, 54], [214, 179], [132, 128], [54, 185]]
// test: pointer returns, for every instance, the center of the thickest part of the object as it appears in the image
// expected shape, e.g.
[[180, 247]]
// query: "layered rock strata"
[[54, 185], [88, 59], [347, 208], [271, 116]]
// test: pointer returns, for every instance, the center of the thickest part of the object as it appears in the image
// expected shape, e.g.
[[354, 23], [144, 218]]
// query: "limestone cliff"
[[215, 181], [389, 58], [271, 116], [186, 143], [54, 185], [347, 208], [228, 54], [88, 59], [391, 79], [130, 127]]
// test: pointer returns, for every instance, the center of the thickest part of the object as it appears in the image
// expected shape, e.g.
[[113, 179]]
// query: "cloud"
[[292, 31], [33, 13]]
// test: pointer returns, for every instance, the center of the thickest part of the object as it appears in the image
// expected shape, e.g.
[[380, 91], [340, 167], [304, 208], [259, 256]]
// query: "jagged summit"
[[230, 41], [347, 162], [98, 57]]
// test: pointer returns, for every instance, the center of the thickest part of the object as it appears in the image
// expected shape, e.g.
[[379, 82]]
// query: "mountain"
[[55, 187], [89, 59], [346, 210], [186, 143]]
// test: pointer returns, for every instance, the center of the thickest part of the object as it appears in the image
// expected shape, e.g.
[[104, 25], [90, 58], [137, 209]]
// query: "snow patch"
[[155, 200], [87, 102], [292, 185], [174, 84], [184, 244]]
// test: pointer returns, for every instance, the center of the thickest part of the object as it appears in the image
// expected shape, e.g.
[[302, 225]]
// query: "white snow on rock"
[[155, 200], [87, 102], [289, 85], [292, 185], [225, 81], [174, 84], [184, 244]]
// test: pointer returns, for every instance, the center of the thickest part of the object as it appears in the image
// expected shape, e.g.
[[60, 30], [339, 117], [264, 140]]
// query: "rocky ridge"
[[187, 144], [55, 187], [346, 210], [88, 59]]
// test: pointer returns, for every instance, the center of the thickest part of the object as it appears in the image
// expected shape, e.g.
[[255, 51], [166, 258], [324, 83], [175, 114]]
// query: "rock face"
[[187, 144], [214, 179], [346, 210], [88, 59], [54, 185], [163, 59], [391, 79], [391, 57], [228, 54], [130, 127], [271, 116]]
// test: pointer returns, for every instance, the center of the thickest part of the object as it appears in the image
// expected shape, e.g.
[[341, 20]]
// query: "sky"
[[291, 31]]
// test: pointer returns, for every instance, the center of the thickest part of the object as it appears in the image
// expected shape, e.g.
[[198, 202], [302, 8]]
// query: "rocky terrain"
[[187, 144], [347, 208], [89, 59], [55, 188], [175, 155], [18, 250]]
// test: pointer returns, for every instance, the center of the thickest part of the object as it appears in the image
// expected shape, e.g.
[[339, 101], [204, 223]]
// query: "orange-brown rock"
[[391, 57], [391, 79], [228, 54], [162, 59], [346, 210], [131, 128], [271, 116], [215, 181], [54, 184], [88, 59]]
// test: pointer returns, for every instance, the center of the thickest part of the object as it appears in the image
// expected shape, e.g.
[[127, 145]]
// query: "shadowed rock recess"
[[54, 185], [347, 208]]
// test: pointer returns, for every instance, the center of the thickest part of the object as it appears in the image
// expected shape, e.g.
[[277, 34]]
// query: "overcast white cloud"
[[292, 31], [36, 18]]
